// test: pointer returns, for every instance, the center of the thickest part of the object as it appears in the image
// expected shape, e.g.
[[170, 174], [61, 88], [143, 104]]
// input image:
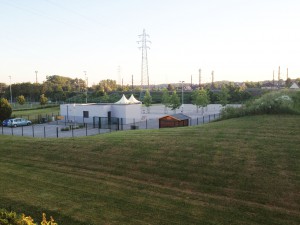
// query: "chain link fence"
[[56, 126]]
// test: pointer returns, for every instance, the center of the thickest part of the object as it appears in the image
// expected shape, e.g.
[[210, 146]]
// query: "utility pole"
[[143, 41], [36, 80], [132, 82], [86, 89], [119, 75], [10, 90]]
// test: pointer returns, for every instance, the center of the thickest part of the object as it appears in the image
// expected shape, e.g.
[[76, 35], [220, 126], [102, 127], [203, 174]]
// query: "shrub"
[[271, 103], [65, 129], [21, 99], [12, 218], [5, 109]]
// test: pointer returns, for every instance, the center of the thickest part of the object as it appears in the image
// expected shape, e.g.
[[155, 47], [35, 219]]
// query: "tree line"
[[60, 89]]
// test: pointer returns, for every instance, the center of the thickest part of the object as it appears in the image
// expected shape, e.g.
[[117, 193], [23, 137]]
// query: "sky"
[[240, 40]]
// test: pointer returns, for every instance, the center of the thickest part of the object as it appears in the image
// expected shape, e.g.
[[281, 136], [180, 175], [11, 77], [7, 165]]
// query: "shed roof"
[[178, 116]]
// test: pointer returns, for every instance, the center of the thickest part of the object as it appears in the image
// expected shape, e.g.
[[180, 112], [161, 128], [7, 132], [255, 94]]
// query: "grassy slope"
[[240, 171]]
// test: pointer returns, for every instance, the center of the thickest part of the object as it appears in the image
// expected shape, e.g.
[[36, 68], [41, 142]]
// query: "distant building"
[[295, 86], [125, 109]]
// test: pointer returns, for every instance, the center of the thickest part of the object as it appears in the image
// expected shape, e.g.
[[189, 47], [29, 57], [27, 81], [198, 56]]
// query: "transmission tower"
[[143, 42]]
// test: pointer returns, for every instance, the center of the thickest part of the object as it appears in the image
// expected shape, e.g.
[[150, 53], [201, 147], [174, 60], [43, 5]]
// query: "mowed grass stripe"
[[224, 172]]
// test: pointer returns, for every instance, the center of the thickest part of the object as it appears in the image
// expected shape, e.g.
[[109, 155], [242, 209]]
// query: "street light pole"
[[10, 90], [182, 95], [86, 89]]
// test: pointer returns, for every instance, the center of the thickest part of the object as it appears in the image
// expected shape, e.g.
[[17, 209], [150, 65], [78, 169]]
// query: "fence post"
[[203, 119], [32, 131], [72, 130], [12, 131], [22, 131], [44, 132], [2, 129], [146, 124], [56, 132], [208, 118], [121, 123], [86, 129], [214, 116]]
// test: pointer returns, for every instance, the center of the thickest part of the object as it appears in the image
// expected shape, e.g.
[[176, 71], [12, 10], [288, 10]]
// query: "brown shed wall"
[[170, 122]]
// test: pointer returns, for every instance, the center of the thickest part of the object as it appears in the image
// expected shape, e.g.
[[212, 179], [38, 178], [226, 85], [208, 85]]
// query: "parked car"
[[5, 122], [16, 122]]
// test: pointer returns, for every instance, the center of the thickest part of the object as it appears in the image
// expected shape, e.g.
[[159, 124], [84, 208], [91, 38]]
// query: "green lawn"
[[239, 171], [34, 114]]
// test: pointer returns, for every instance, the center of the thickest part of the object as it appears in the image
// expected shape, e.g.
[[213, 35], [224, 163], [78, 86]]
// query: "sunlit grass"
[[239, 171]]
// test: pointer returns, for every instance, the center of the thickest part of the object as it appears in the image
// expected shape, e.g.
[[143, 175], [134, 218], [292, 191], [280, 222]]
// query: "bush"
[[280, 102], [65, 129], [12, 218], [5, 109]]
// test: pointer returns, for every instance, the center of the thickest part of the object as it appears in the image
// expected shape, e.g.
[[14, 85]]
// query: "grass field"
[[239, 171], [34, 114]]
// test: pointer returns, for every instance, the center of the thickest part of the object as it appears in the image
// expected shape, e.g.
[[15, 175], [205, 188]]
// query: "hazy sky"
[[239, 39]]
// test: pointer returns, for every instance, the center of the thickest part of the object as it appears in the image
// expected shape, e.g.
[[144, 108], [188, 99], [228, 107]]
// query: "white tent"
[[294, 86], [133, 100], [123, 100]]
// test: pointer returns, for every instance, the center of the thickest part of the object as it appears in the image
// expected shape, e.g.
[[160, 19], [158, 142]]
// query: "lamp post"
[[181, 95], [10, 90], [86, 89]]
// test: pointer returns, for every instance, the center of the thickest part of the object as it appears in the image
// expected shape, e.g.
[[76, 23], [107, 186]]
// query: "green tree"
[[223, 96], [200, 98], [105, 97], [288, 82], [21, 99], [147, 100], [165, 99], [171, 87], [5, 109], [106, 85], [43, 99], [174, 101]]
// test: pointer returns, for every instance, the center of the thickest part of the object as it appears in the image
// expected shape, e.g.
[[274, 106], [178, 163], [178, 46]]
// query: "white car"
[[18, 122]]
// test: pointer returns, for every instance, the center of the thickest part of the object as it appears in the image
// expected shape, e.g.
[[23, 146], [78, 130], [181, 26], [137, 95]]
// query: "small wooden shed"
[[175, 120]]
